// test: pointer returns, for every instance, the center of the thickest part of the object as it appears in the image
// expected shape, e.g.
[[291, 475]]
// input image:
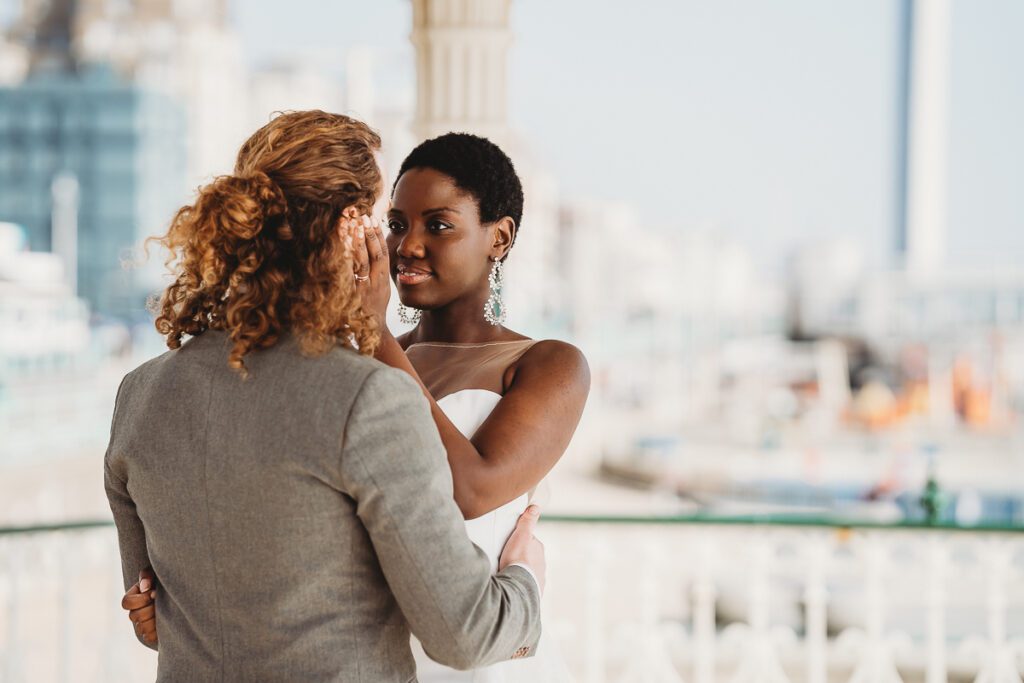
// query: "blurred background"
[[788, 235]]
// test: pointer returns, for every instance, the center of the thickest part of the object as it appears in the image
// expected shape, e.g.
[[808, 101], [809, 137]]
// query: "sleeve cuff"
[[528, 571]]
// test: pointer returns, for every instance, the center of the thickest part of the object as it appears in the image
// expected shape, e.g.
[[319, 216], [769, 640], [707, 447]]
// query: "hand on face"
[[370, 262]]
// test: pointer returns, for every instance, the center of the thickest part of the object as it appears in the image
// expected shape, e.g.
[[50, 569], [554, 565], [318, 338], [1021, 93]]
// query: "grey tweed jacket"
[[300, 522]]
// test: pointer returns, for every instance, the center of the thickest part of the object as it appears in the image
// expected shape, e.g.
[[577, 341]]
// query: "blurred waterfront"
[[836, 382]]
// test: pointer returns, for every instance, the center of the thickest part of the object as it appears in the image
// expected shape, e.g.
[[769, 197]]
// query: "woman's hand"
[[140, 601], [372, 268]]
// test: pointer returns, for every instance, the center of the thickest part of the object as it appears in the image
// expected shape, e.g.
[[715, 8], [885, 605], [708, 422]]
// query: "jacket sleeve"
[[395, 467], [131, 536]]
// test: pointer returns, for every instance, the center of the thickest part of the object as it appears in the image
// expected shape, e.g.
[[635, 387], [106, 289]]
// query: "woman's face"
[[439, 250]]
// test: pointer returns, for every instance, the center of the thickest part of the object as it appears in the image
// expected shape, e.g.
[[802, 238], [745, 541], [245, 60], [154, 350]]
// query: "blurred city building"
[[184, 50], [925, 336], [122, 106], [89, 163], [828, 391], [56, 369], [41, 321]]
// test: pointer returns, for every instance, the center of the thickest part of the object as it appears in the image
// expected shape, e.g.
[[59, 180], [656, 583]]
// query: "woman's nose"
[[410, 246]]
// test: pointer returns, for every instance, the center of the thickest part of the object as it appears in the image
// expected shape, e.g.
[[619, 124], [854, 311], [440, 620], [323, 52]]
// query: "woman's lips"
[[413, 277]]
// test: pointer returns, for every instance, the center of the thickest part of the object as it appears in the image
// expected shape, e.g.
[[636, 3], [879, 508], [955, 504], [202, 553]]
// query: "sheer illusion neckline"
[[470, 345]]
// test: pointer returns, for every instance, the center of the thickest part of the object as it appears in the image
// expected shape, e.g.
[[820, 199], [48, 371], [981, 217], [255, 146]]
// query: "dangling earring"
[[494, 310], [408, 314]]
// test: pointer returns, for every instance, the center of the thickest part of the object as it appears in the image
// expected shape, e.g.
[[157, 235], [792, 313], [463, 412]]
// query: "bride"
[[506, 406]]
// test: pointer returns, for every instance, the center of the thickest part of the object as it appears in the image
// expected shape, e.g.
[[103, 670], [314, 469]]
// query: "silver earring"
[[494, 310], [408, 314]]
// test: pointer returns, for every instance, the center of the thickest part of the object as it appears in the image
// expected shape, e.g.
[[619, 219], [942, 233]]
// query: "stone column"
[[461, 67]]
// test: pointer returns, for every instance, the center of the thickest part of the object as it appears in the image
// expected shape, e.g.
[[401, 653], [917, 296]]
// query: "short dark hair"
[[477, 166]]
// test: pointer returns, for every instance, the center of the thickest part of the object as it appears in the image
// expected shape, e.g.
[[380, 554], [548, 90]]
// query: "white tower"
[[64, 228], [461, 67], [461, 85], [359, 92], [928, 138]]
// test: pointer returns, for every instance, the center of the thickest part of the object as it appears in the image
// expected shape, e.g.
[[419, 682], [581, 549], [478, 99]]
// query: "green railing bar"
[[776, 520], [781, 520], [57, 526]]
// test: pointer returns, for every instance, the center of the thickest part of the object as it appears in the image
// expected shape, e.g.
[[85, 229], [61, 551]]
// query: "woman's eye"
[[438, 226], [395, 226]]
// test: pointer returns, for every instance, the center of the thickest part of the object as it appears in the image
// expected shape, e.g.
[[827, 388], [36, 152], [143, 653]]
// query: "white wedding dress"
[[446, 368]]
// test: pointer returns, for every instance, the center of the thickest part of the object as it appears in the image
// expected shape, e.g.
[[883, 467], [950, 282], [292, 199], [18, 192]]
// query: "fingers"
[[527, 522], [345, 230], [130, 602], [356, 239], [134, 598], [142, 610], [131, 596], [377, 246], [382, 241], [374, 240], [145, 580], [366, 239], [147, 630], [143, 613]]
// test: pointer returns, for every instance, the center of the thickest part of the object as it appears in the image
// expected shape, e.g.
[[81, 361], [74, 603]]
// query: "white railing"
[[60, 616], [692, 600], [701, 600]]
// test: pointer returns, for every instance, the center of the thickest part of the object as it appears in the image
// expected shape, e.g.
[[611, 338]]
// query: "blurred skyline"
[[701, 179], [769, 123]]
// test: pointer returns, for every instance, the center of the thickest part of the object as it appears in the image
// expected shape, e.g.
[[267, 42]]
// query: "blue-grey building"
[[124, 146]]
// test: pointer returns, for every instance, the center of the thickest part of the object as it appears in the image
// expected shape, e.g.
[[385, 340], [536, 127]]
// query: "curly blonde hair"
[[260, 253]]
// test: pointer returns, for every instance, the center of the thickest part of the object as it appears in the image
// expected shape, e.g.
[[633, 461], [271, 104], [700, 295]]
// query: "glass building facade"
[[124, 146]]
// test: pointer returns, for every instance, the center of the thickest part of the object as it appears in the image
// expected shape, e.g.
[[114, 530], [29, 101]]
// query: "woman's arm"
[[525, 434], [529, 429]]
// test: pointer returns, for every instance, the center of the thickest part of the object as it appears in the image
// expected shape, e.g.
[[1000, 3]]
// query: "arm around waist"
[[395, 467]]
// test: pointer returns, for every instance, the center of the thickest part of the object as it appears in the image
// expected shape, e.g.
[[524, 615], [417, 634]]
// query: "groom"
[[296, 508]]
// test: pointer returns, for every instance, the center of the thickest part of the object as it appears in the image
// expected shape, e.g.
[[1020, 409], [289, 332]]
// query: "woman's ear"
[[504, 231]]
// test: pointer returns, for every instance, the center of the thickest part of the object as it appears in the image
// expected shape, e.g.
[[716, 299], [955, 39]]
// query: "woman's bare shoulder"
[[558, 357]]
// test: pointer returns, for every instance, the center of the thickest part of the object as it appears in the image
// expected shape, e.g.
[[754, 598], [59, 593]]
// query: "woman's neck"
[[460, 322]]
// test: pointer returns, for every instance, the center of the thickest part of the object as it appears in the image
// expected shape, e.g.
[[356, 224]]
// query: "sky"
[[771, 123]]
